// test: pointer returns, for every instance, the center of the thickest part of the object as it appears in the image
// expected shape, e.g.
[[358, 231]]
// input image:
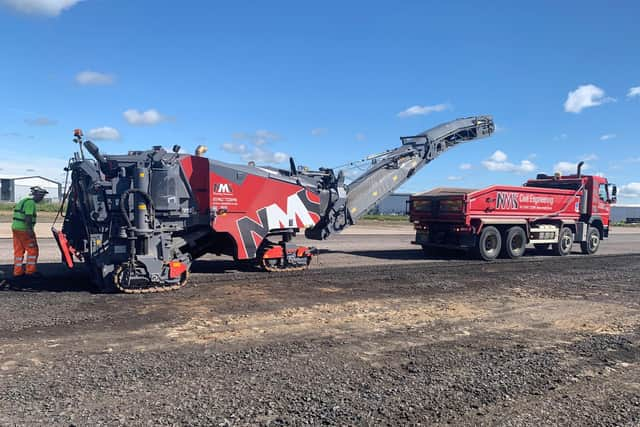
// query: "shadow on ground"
[[419, 255], [217, 266], [53, 277], [401, 254]]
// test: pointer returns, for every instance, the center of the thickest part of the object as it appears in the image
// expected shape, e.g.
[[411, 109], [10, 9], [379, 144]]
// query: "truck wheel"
[[591, 245], [515, 243], [565, 242], [489, 244]]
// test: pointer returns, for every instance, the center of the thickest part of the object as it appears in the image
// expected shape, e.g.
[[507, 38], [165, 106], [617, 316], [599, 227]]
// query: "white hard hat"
[[38, 190]]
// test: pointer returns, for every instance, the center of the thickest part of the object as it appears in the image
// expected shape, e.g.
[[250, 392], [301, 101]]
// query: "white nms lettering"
[[507, 201], [295, 208]]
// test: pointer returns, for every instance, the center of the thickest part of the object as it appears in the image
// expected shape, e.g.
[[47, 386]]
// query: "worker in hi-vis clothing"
[[24, 235]]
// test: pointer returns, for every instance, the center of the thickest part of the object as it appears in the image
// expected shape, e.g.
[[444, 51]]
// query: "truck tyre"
[[489, 244], [591, 245], [515, 243], [565, 242]]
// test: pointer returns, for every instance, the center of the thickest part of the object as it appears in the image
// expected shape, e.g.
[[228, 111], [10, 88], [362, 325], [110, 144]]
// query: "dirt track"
[[536, 342]]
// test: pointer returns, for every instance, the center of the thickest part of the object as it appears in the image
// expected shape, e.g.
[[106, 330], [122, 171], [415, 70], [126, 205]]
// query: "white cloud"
[[41, 121], [361, 136], [260, 155], [631, 190], [146, 118], [465, 166], [634, 91], [231, 147], [256, 154], [584, 97], [94, 78], [607, 136], [319, 131], [498, 162], [526, 166], [569, 168], [263, 136], [454, 178], [561, 137], [423, 110], [259, 137], [105, 133], [40, 7], [498, 156]]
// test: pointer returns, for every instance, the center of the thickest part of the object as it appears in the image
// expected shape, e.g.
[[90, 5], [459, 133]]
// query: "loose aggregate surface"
[[539, 341]]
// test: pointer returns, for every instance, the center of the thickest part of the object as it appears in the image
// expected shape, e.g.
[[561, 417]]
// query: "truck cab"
[[597, 196]]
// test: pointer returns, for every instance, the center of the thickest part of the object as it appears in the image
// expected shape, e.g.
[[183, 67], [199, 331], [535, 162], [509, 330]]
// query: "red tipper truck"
[[549, 211]]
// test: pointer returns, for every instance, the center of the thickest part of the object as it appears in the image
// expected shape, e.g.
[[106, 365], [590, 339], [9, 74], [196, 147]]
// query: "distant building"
[[625, 213], [14, 188], [393, 204]]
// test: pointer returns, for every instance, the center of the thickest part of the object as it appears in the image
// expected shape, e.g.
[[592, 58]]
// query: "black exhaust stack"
[[579, 173], [95, 152]]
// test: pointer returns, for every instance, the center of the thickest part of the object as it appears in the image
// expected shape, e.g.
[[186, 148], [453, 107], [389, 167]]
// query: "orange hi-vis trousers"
[[24, 241]]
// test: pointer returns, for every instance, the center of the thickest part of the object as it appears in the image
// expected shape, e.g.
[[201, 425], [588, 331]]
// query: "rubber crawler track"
[[153, 289]]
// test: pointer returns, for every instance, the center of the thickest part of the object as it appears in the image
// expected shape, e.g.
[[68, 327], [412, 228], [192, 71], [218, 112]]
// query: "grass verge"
[[42, 207]]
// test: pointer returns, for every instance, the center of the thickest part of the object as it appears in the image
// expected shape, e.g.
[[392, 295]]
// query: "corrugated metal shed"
[[13, 188], [393, 204], [621, 213]]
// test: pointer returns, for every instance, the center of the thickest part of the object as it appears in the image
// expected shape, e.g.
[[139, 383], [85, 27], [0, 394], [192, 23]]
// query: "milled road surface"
[[539, 341]]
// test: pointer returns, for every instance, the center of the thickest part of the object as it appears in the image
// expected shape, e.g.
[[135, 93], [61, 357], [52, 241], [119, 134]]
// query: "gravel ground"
[[533, 342]]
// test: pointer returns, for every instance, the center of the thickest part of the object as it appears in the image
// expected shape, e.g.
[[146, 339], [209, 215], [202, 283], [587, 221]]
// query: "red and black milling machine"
[[139, 220]]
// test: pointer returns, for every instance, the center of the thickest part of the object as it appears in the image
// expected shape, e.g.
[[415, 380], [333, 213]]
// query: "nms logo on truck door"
[[506, 200]]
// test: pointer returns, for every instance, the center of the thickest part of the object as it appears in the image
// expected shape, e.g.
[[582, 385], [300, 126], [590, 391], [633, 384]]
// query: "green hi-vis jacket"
[[26, 206]]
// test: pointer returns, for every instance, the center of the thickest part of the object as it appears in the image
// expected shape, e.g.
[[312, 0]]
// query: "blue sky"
[[326, 82]]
